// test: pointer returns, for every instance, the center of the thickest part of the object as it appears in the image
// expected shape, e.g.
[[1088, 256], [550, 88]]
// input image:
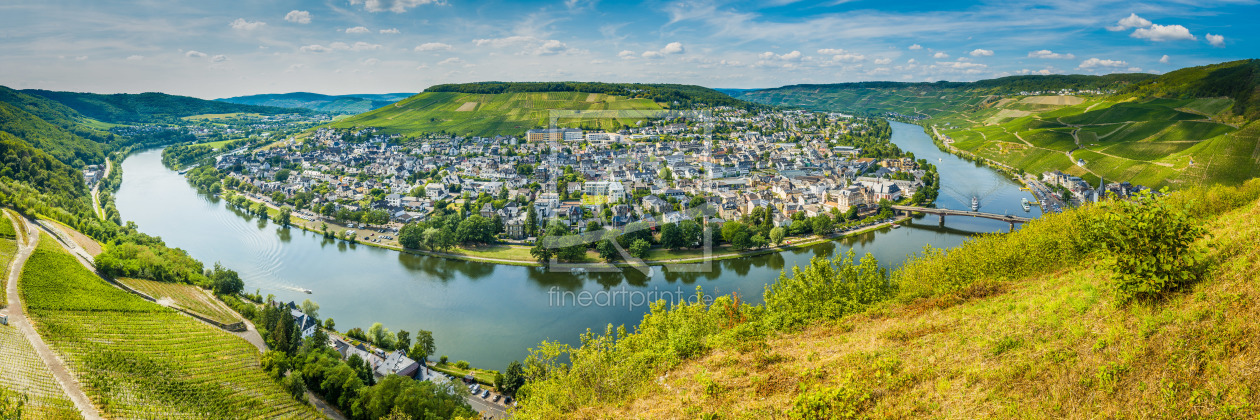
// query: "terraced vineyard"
[[491, 114], [137, 359], [186, 296], [21, 370]]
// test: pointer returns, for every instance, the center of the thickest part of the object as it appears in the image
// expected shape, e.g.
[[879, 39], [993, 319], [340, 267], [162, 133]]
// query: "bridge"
[[947, 212]]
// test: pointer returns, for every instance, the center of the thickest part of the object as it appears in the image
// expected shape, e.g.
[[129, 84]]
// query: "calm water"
[[491, 314]]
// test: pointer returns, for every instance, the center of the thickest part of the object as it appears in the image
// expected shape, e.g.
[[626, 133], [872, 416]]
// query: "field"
[[185, 296], [136, 359], [507, 113]]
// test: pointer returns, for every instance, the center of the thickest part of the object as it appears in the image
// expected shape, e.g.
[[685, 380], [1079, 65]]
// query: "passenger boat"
[[975, 203]]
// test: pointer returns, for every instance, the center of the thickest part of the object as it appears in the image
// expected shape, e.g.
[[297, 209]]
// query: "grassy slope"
[[137, 359], [1149, 133], [505, 113], [1048, 345], [186, 296]]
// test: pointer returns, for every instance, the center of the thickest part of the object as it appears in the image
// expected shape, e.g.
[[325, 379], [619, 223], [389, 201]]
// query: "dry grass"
[[1053, 346], [466, 107], [186, 296], [1053, 100]]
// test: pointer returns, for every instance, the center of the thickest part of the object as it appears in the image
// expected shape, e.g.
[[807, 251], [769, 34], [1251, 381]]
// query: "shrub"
[[1150, 245], [462, 365], [843, 402]]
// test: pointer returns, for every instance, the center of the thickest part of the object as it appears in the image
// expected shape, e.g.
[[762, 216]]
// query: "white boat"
[[975, 203], [577, 270], [307, 291], [1027, 206]]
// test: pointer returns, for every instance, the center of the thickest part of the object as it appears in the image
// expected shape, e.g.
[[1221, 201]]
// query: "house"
[[655, 204], [397, 363], [515, 228], [394, 200], [305, 323]]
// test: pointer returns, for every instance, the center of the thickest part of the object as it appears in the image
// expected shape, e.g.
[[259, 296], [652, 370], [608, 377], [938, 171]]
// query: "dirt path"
[[17, 318], [96, 203]]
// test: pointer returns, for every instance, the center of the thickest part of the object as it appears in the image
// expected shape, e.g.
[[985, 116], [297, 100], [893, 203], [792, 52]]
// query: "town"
[[792, 165]]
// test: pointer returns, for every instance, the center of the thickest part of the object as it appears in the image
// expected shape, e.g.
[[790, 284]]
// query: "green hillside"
[[1190, 127], [148, 107], [493, 108], [1030, 324]]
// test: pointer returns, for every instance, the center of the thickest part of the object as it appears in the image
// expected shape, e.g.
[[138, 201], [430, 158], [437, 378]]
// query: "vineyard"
[[137, 359], [185, 296], [21, 370]]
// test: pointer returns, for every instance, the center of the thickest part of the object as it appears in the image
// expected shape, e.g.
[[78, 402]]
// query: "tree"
[[424, 346], [822, 224], [296, 386], [691, 232], [531, 222], [513, 378], [776, 235], [381, 336], [639, 249], [607, 250], [310, 308], [475, 229], [285, 218], [672, 237], [225, 281], [330, 325], [757, 241], [403, 340], [411, 236]]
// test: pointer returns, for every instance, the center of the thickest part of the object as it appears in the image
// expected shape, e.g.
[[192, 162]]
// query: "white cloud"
[[626, 55], [195, 53], [218, 58], [792, 56], [1050, 55], [1133, 21], [838, 54], [298, 16], [668, 49], [434, 46], [1164, 59], [1097, 62], [340, 46], [1216, 40], [391, 31], [673, 48], [451, 61], [882, 61], [527, 45], [940, 55], [978, 52], [1043, 72], [358, 30], [916, 47], [1134, 69], [371, 61], [135, 58], [1162, 33], [241, 24], [396, 6]]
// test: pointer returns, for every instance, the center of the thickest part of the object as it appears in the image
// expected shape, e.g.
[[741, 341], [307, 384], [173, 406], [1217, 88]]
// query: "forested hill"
[[51, 127], [149, 107], [339, 104]]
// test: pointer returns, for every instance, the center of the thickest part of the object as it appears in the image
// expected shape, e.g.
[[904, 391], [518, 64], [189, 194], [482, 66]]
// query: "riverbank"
[[504, 256]]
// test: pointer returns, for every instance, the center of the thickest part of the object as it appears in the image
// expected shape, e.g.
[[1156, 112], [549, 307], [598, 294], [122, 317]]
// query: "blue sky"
[[213, 49]]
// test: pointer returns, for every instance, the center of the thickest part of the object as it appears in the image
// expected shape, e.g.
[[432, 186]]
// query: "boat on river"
[[975, 203], [1026, 205]]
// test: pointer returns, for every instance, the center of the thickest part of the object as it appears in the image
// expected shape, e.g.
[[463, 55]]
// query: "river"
[[491, 314]]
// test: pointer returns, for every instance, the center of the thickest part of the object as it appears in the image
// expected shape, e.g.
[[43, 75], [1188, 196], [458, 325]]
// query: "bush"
[[462, 365], [1151, 246]]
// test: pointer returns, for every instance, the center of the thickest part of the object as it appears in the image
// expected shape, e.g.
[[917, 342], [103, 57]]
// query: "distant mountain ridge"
[[340, 104], [149, 107]]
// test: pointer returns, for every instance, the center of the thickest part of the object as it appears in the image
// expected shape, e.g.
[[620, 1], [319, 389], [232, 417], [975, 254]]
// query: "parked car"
[[497, 398], [485, 394]]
